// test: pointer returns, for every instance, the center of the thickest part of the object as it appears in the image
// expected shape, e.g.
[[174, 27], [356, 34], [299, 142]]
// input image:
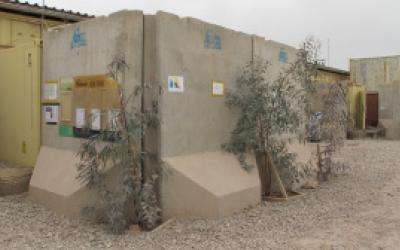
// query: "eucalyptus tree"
[[268, 116], [111, 164]]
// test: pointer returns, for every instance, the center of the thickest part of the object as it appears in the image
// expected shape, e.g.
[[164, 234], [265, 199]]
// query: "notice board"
[[88, 103]]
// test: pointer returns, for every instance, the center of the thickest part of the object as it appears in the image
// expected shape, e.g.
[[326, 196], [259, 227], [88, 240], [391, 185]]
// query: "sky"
[[354, 28]]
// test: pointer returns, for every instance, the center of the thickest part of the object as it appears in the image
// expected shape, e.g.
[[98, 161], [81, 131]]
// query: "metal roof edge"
[[25, 8]]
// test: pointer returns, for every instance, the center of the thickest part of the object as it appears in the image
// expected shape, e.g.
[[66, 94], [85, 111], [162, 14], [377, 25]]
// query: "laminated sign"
[[80, 119], [50, 91], [175, 84], [67, 83], [218, 89], [51, 114], [96, 119]]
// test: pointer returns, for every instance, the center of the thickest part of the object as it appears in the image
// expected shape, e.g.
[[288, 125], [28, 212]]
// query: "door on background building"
[[372, 109], [20, 104]]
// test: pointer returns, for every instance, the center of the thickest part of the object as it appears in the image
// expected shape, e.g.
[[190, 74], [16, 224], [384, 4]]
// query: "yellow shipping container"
[[20, 77], [19, 90], [20, 104]]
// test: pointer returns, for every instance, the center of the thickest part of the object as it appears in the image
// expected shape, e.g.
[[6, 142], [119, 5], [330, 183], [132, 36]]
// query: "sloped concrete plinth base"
[[54, 182], [207, 185], [391, 128]]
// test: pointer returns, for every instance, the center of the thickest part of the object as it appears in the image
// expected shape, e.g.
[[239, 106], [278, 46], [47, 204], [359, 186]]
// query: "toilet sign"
[[78, 38], [176, 84]]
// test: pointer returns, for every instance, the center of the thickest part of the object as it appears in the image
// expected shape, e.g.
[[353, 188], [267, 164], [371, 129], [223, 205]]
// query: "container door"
[[20, 104], [372, 109]]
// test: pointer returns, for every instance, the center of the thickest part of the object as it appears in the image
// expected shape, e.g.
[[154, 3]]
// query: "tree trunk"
[[264, 172]]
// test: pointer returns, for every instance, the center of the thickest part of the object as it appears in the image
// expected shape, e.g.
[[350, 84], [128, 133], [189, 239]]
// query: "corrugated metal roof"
[[333, 70], [37, 10]]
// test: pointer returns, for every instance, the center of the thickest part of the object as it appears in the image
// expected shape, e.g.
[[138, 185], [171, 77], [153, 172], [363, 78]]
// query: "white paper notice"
[[218, 89], [50, 91], [176, 84], [80, 118], [96, 119], [51, 113]]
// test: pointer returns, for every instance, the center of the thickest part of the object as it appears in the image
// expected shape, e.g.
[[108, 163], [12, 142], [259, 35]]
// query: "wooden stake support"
[[285, 194], [276, 176]]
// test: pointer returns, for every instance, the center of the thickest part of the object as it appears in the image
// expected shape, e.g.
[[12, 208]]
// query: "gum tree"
[[272, 112], [111, 165], [333, 128], [268, 115]]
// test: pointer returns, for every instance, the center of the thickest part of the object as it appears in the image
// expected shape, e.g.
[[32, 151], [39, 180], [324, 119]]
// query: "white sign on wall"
[[176, 84], [50, 91], [80, 121], [218, 89], [51, 114], [96, 119]]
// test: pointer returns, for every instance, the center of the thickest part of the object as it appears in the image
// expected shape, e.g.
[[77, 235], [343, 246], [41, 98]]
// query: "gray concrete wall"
[[54, 180], [194, 124], [106, 37], [270, 50], [381, 75], [194, 121]]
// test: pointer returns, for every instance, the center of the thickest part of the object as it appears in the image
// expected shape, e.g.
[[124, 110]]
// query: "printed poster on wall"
[[80, 118], [96, 119], [66, 83], [51, 114], [217, 89], [50, 91], [176, 84]]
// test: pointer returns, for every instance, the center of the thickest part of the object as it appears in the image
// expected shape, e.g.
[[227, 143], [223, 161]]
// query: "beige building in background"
[[326, 76], [380, 76]]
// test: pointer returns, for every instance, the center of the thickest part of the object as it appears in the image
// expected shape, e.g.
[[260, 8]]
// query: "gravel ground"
[[356, 210]]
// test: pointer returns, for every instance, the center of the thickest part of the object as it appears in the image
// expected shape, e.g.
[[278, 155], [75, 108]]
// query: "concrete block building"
[[380, 77], [326, 76], [189, 64]]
